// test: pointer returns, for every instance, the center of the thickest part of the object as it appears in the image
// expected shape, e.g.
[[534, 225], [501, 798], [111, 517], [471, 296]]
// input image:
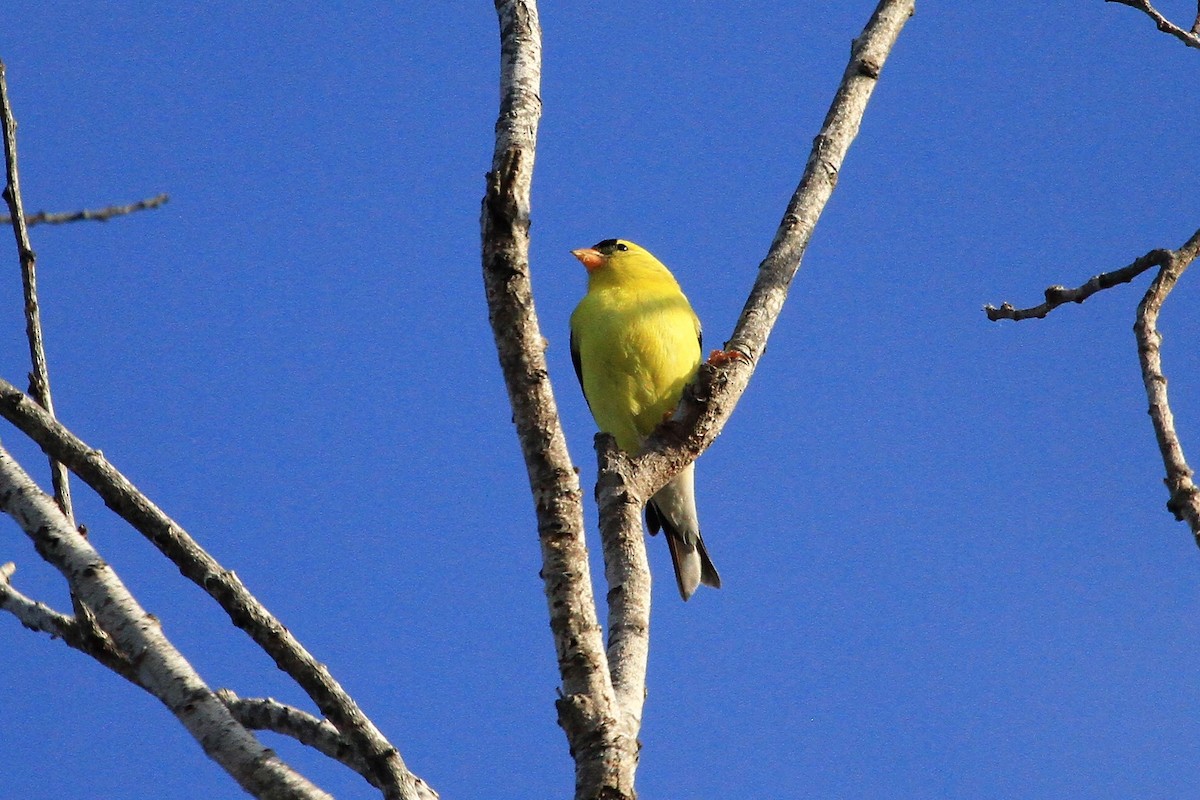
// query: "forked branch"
[[601, 711], [157, 666], [86, 638], [1184, 500], [268, 714], [243, 608]]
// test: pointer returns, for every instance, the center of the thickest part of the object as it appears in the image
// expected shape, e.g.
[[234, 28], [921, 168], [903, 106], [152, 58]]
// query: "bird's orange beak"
[[590, 257]]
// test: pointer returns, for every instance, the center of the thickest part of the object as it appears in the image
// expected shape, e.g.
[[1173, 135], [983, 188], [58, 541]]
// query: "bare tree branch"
[[605, 752], [221, 584], [1184, 501], [157, 665], [87, 639], [1059, 295], [1190, 38], [39, 378], [90, 214], [268, 714]]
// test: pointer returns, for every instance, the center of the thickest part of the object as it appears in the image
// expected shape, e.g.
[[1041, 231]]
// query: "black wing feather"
[[577, 360]]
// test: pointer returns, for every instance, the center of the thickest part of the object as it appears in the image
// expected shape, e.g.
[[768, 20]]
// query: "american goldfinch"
[[635, 342]]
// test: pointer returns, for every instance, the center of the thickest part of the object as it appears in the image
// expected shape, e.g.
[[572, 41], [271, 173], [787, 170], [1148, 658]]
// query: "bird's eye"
[[622, 246]]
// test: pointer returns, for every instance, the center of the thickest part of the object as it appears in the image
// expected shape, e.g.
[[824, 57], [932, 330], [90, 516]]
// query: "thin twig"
[[602, 740], [39, 378], [1190, 38], [34, 615], [38, 616], [268, 714], [90, 214], [1060, 295], [243, 608], [1184, 501]]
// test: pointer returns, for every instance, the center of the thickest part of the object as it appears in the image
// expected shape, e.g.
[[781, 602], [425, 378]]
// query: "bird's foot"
[[719, 358]]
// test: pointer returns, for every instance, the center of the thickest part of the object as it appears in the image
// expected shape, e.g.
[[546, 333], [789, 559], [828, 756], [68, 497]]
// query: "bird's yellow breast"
[[638, 348]]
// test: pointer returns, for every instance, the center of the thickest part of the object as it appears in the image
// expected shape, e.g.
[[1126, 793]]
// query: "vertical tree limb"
[[39, 377], [1184, 501], [627, 571], [605, 758]]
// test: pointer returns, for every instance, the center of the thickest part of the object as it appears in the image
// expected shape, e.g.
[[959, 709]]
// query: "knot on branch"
[[1005, 311], [1184, 495], [868, 68], [616, 471], [1059, 294], [501, 203]]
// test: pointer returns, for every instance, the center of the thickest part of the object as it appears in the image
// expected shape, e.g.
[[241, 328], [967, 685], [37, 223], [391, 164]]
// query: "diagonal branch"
[[624, 483], [1190, 38], [39, 378], [605, 753], [1184, 502], [90, 214], [157, 665], [221, 584], [1060, 295], [710, 400]]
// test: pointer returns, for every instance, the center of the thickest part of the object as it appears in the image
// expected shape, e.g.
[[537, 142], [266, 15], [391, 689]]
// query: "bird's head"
[[619, 258]]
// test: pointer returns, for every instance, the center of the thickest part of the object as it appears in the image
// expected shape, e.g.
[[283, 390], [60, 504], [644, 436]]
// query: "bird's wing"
[[577, 360]]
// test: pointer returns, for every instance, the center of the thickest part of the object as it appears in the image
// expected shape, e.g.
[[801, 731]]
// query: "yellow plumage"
[[635, 342]]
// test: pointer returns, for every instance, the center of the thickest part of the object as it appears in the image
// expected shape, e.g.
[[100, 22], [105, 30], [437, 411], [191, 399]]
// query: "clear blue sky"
[[948, 567]]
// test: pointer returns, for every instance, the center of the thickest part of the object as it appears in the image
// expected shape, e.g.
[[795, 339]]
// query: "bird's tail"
[[673, 510]]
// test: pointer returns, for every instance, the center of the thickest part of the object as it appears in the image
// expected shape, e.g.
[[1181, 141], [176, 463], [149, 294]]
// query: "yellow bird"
[[635, 342]]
